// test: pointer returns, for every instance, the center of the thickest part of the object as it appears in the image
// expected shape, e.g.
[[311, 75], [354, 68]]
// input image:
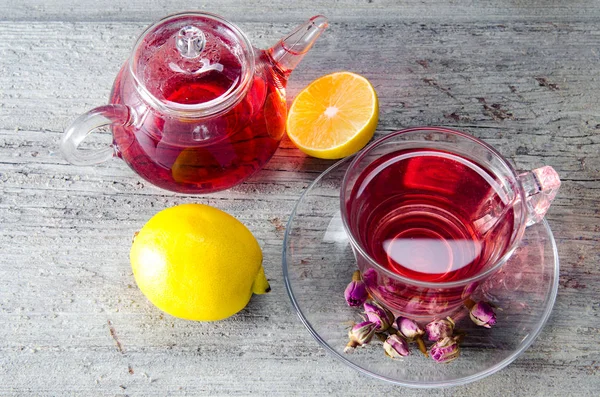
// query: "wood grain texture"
[[290, 11], [524, 76]]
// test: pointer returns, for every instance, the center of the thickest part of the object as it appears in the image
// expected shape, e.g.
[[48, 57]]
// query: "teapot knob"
[[190, 41]]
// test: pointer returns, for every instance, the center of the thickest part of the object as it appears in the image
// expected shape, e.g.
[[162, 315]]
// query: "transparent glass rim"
[[452, 284], [215, 106], [525, 344]]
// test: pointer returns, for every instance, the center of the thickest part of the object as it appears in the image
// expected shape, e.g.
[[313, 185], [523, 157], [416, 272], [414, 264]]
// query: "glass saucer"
[[318, 264]]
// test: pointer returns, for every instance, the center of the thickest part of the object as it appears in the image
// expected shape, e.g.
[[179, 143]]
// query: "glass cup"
[[432, 212]]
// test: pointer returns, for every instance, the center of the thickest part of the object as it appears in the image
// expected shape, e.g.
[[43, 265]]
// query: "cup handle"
[[85, 125], [540, 186]]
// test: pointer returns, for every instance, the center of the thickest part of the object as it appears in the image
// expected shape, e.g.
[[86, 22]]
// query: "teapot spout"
[[290, 50]]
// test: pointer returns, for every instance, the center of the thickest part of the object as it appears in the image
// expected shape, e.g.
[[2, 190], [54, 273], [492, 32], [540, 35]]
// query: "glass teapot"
[[196, 108]]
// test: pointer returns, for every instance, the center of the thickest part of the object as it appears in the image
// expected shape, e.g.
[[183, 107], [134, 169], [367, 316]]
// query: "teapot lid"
[[193, 64]]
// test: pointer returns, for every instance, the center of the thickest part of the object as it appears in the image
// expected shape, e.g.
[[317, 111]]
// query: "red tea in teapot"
[[184, 156], [196, 108]]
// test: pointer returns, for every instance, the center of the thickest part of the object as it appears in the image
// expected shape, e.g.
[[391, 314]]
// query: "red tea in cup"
[[416, 212], [431, 212]]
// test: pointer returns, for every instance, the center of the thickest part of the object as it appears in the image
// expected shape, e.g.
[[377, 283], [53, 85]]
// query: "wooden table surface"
[[522, 75]]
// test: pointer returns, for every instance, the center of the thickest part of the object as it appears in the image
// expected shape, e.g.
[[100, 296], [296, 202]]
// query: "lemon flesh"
[[334, 116], [197, 262]]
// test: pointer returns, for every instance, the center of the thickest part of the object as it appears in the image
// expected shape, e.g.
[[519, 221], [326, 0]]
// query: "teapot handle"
[[86, 124]]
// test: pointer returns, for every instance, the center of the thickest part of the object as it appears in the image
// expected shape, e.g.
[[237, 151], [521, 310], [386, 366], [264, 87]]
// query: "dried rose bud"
[[415, 305], [369, 276], [395, 346], [439, 329], [356, 292], [411, 331], [408, 328], [378, 315], [469, 290], [483, 315], [445, 350], [361, 334]]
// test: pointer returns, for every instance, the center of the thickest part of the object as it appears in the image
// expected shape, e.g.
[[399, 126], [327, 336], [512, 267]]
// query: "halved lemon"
[[335, 116]]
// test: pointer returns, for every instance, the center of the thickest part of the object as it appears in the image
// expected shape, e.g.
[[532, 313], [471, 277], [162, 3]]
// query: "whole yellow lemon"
[[197, 262]]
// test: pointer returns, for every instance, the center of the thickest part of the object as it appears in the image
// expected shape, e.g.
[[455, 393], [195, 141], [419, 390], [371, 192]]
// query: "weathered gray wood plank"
[[521, 75], [269, 11]]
